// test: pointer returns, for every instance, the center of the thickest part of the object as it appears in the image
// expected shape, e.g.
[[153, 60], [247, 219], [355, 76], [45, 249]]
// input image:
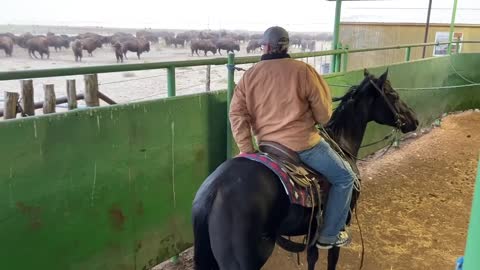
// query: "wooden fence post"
[[10, 105], [71, 94], [49, 100], [207, 82], [91, 90], [27, 98]]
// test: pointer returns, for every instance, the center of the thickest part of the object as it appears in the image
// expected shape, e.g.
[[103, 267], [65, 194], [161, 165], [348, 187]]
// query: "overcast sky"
[[305, 15]]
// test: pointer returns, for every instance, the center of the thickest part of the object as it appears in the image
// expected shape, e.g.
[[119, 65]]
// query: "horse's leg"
[[333, 255], [312, 257]]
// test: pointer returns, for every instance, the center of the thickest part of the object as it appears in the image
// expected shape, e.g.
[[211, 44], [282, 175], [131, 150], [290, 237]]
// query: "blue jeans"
[[338, 172]]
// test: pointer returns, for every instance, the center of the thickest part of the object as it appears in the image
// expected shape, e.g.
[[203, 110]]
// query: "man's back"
[[281, 99]]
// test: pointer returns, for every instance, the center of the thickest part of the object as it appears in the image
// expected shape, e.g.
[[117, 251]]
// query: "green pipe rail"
[[230, 88], [55, 72], [336, 33], [452, 27], [472, 260]]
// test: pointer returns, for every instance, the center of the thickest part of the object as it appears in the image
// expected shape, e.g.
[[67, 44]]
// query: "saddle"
[[300, 173]]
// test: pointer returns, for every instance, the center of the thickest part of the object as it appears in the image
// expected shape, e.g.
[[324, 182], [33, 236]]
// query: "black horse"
[[241, 209]]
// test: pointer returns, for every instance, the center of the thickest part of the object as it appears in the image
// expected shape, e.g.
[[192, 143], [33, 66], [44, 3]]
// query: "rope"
[[459, 75]]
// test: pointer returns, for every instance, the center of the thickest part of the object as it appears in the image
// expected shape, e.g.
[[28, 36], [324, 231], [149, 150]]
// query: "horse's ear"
[[383, 77], [365, 72]]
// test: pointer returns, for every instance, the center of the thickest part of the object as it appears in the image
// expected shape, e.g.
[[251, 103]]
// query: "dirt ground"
[[125, 87], [415, 204]]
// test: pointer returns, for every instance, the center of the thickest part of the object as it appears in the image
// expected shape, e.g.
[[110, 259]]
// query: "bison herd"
[[121, 43]]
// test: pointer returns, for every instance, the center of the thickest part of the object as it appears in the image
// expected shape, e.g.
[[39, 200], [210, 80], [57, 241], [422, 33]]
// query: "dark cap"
[[274, 36]]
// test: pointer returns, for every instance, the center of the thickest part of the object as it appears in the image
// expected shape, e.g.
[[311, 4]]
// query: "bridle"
[[398, 122]]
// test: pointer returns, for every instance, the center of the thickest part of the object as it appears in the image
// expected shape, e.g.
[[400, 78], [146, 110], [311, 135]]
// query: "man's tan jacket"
[[280, 100]]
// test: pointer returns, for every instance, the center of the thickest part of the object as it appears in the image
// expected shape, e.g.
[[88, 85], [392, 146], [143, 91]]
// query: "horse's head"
[[388, 108]]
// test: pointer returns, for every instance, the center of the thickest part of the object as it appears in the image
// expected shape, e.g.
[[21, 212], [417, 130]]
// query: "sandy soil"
[[127, 86], [415, 204]]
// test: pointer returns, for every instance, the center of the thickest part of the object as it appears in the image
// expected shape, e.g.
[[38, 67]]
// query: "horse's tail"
[[203, 256]]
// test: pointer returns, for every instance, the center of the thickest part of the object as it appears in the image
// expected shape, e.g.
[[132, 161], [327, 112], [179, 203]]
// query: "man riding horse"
[[281, 100]]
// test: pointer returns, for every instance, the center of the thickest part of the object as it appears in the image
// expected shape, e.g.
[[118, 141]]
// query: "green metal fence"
[[472, 260], [111, 187]]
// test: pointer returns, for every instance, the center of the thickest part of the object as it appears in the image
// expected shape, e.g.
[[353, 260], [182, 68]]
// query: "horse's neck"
[[347, 128]]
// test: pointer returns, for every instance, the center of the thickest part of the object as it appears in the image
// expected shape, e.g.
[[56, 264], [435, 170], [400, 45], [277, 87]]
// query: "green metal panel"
[[111, 187], [472, 260], [106, 188]]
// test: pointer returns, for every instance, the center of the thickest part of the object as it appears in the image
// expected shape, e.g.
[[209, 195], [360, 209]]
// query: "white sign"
[[442, 49]]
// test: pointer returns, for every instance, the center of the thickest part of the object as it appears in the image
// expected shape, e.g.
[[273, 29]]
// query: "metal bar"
[[336, 32], [108, 100], [452, 26], [408, 50], [338, 61], [472, 260], [171, 81], [345, 59], [427, 26], [230, 86], [43, 73]]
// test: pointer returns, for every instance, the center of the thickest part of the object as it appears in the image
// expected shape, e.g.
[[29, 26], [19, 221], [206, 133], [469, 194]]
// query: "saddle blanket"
[[297, 194]]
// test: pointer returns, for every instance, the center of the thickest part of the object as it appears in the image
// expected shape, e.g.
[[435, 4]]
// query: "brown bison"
[[100, 38], [149, 36], [118, 51], [22, 39], [253, 45], [174, 41], [77, 49], [205, 45], [6, 43], [38, 44], [308, 45], [10, 35], [91, 44], [138, 45], [58, 42], [227, 44]]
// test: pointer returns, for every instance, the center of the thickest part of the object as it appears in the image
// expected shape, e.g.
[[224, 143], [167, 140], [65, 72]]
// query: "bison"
[[10, 35], [118, 51], [308, 45], [149, 36], [6, 43], [22, 39], [205, 45], [174, 41], [227, 44], [91, 44], [253, 45], [38, 44], [138, 45], [58, 42], [77, 49]]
